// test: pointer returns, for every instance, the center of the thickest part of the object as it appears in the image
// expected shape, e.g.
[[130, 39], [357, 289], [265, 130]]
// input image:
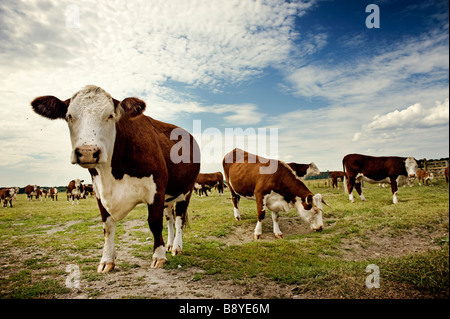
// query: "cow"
[[30, 191], [88, 190], [7, 195], [53, 193], [206, 181], [424, 176], [277, 189], [132, 158], [304, 170], [386, 169], [75, 190], [334, 178]]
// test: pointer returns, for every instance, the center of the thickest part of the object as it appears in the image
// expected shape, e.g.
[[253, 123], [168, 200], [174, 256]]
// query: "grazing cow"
[[75, 190], [304, 170], [334, 178], [30, 191], [424, 176], [391, 169], [278, 190], [7, 195], [206, 181], [132, 159], [53, 193]]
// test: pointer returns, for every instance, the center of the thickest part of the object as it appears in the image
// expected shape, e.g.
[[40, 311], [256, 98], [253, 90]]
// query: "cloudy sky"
[[309, 76]]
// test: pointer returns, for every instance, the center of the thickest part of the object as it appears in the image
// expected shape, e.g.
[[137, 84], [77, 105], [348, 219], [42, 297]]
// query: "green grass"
[[39, 239]]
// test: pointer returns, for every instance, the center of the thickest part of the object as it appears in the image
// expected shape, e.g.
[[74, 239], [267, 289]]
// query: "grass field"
[[408, 242]]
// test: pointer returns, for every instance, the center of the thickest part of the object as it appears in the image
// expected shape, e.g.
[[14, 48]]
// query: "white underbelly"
[[276, 202]]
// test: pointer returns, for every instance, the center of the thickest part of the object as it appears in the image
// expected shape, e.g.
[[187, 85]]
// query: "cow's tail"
[[345, 181]]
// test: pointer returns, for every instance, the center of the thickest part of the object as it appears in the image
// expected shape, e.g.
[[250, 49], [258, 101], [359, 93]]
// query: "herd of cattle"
[[133, 158], [75, 191]]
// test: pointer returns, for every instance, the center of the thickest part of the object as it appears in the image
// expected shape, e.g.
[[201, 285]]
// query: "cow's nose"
[[320, 228], [87, 154]]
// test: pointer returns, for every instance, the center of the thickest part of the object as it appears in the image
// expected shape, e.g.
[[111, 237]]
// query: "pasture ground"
[[409, 242]]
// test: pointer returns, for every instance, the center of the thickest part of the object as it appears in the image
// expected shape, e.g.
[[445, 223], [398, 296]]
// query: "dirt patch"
[[383, 244]]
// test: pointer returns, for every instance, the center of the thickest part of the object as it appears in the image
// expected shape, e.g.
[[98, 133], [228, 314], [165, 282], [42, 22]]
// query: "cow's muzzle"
[[87, 155]]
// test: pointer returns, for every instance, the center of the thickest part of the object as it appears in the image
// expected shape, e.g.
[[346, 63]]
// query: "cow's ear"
[[50, 107], [131, 107]]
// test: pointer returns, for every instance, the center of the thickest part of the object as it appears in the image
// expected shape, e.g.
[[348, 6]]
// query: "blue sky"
[[310, 69]]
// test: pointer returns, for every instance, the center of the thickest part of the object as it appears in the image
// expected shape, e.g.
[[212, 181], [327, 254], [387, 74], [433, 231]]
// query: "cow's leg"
[[180, 220], [109, 251], [359, 191], [350, 185], [394, 189], [261, 214], [235, 199], [169, 213], [276, 227], [155, 222]]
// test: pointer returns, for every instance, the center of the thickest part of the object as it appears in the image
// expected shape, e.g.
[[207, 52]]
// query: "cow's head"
[[411, 168], [310, 210], [91, 115], [312, 170], [77, 183]]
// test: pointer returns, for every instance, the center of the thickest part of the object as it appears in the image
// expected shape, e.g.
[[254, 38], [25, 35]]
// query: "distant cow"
[[7, 195], [30, 191], [75, 190], [387, 169], [334, 178], [206, 181], [424, 176], [88, 190], [277, 190], [53, 193], [132, 159], [304, 170]]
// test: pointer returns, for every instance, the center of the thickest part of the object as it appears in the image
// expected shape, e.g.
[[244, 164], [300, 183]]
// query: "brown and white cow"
[[30, 191], [75, 190], [206, 181], [334, 178], [132, 159], [7, 195], [385, 169], [277, 189], [424, 176], [304, 170], [53, 193]]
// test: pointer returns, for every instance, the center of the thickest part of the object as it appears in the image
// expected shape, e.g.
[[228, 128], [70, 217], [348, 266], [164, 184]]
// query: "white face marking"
[[411, 166], [91, 118], [314, 215], [312, 170]]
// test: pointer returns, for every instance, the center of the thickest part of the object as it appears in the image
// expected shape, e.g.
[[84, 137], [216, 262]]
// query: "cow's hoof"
[[238, 218], [169, 248], [279, 236], [158, 263], [105, 267], [257, 237], [177, 251]]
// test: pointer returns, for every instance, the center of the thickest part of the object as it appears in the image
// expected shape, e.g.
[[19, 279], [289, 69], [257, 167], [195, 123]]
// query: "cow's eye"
[[111, 116], [69, 117]]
